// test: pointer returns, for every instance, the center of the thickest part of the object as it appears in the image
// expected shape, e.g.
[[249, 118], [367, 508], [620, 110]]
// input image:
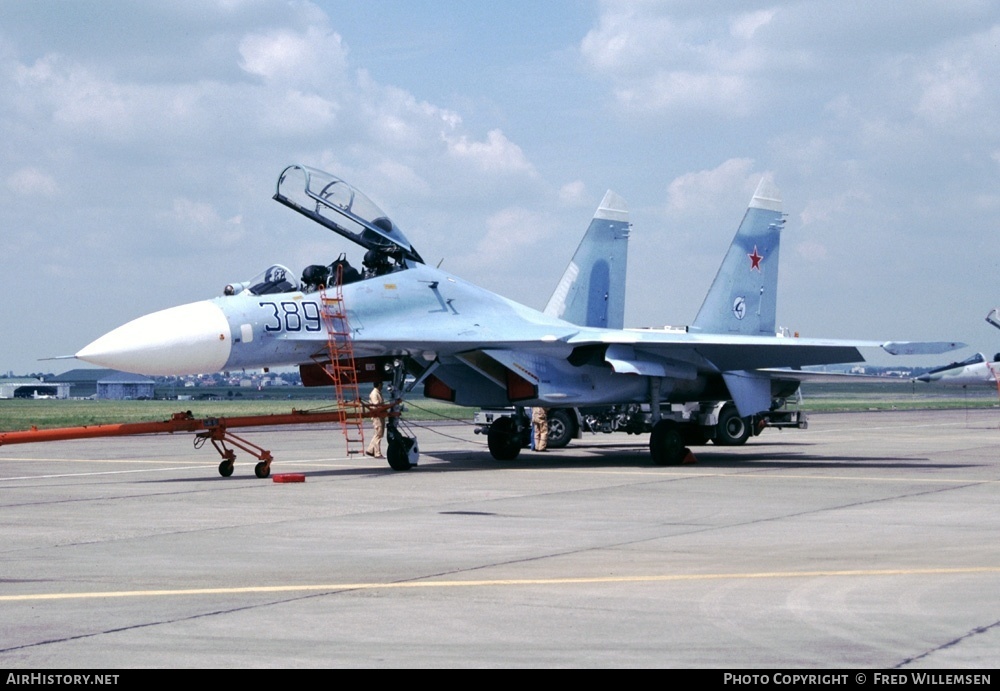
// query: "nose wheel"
[[402, 452]]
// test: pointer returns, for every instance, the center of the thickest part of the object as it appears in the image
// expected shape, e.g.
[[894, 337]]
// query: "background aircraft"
[[473, 347], [974, 371]]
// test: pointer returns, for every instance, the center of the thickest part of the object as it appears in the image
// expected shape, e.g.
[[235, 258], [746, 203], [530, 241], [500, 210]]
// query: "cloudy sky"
[[142, 142]]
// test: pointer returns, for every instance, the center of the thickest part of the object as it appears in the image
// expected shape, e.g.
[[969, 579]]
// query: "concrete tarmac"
[[869, 540]]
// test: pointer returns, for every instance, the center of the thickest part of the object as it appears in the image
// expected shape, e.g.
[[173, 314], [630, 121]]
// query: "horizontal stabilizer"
[[920, 347]]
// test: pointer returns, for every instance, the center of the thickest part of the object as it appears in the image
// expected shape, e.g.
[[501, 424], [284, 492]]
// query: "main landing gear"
[[666, 443], [733, 430], [507, 435]]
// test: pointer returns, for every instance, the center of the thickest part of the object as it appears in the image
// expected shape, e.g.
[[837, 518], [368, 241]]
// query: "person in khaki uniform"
[[378, 424], [540, 421]]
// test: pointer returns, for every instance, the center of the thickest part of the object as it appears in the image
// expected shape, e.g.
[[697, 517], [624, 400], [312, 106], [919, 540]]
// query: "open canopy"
[[334, 203]]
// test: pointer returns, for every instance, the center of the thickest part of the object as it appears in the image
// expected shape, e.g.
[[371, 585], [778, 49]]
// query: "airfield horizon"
[[818, 398]]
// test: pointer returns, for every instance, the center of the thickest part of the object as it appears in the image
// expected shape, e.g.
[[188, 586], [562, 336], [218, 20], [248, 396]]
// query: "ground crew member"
[[540, 421], [378, 423]]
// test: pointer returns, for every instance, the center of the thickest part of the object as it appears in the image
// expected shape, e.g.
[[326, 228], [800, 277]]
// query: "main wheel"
[[261, 470], [733, 430], [560, 428], [666, 443], [226, 468], [503, 439]]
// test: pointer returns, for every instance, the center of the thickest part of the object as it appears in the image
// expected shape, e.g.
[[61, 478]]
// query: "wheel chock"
[[289, 477], [688, 457]]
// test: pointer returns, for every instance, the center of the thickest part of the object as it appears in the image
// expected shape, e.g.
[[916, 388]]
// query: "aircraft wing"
[[553, 361], [757, 352]]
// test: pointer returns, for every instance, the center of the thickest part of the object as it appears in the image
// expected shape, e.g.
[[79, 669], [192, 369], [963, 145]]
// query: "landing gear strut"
[[402, 450]]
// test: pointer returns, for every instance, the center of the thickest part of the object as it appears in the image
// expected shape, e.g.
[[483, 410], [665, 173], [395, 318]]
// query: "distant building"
[[106, 384], [122, 386], [28, 387]]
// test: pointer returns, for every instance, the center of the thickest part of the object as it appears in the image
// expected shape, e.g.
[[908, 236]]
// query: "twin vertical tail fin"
[[592, 289], [744, 295]]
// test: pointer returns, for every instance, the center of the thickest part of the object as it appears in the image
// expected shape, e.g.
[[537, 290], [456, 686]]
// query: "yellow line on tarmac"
[[598, 580]]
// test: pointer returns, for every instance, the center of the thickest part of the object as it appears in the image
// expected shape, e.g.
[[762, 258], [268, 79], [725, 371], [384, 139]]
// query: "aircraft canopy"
[[342, 208]]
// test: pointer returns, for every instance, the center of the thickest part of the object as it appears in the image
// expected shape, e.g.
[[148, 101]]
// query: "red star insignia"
[[755, 259]]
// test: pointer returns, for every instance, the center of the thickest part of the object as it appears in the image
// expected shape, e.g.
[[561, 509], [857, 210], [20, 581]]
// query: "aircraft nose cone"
[[190, 339], [924, 378]]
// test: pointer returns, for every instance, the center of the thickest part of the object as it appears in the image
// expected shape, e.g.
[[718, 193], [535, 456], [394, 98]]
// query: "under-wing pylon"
[[467, 345]]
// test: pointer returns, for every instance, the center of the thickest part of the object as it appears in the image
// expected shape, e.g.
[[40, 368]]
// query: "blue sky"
[[143, 142]]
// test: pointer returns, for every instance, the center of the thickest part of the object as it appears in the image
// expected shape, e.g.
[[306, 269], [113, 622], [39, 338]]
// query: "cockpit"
[[342, 208], [278, 278], [272, 280]]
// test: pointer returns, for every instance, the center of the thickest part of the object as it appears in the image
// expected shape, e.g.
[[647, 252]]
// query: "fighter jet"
[[421, 325], [973, 371]]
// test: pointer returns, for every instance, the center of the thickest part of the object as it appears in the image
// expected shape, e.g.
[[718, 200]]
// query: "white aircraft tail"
[[592, 289], [743, 296]]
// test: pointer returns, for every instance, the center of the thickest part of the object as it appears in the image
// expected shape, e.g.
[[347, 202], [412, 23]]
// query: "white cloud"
[[660, 62], [949, 92], [316, 57], [573, 193], [82, 102], [703, 188], [32, 182], [511, 240], [688, 90], [496, 154], [811, 251], [291, 113], [746, 25], [201, 222]]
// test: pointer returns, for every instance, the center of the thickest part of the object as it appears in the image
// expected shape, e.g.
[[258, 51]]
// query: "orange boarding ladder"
[[341, 368]]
